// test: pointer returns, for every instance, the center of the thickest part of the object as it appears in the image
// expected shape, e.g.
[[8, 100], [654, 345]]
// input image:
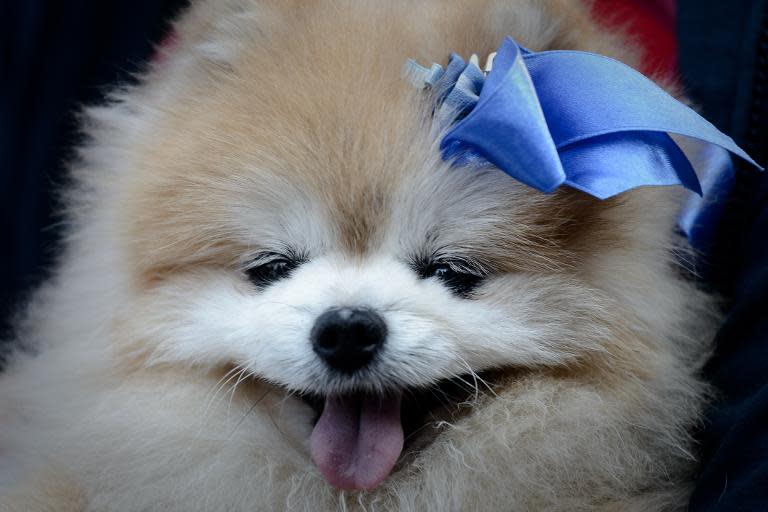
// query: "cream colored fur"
[[287, 122]]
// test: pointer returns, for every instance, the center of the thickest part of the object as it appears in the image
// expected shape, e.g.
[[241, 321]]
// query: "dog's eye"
[[462, 281], [271, 270]]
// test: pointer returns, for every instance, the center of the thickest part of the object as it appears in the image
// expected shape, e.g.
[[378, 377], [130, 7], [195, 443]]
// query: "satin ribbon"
[[567, 118]]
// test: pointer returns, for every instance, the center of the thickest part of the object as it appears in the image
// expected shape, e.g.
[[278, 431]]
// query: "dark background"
[[55, 56]]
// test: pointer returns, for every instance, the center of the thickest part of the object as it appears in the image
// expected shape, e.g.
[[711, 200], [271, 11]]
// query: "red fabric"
[[167, 44], [651, 23]]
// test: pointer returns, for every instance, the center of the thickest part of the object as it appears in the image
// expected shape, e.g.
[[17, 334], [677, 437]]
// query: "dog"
[[275, 295]]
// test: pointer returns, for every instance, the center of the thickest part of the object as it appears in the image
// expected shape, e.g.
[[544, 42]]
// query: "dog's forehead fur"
[[306, 124]]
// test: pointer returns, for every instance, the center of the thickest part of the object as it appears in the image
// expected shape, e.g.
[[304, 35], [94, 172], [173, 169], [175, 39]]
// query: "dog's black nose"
[[348, 338]]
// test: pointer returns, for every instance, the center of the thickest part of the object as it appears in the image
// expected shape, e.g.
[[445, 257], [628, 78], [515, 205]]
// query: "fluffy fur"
[[156, 377]]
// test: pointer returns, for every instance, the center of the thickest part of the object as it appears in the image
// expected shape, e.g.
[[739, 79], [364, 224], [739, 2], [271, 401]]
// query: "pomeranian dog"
[[276, 295]]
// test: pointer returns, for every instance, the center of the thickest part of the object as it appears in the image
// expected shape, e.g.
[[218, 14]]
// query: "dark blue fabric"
[[724, 60], [734, 473], [55, 56]]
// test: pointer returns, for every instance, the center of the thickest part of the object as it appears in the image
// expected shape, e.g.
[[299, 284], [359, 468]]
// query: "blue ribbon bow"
[[567, 118]]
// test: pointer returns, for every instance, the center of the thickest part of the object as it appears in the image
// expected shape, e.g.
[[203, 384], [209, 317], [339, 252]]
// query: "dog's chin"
[[359, 439]]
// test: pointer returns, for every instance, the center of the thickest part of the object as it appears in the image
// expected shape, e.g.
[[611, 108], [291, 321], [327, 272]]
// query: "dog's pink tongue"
[[357, 440]]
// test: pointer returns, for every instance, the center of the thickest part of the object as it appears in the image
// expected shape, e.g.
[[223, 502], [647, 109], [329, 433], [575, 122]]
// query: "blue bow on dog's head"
[[566, 118]]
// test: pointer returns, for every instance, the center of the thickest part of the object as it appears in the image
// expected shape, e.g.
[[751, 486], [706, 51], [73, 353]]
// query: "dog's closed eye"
[[458, 275], [268, 268]]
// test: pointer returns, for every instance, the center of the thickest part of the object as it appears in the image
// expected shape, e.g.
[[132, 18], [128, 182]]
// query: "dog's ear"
[[202, 21], [556, 25], [210, 32]]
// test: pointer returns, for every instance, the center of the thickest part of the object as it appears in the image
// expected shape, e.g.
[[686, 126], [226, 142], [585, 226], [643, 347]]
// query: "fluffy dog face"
[[291, 217]]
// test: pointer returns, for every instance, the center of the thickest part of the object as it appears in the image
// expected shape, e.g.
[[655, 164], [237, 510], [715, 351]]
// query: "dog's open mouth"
[[358, 438]]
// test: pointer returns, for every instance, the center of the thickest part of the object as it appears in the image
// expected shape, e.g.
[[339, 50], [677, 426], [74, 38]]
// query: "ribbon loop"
[[577, 119], [570, 118]]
